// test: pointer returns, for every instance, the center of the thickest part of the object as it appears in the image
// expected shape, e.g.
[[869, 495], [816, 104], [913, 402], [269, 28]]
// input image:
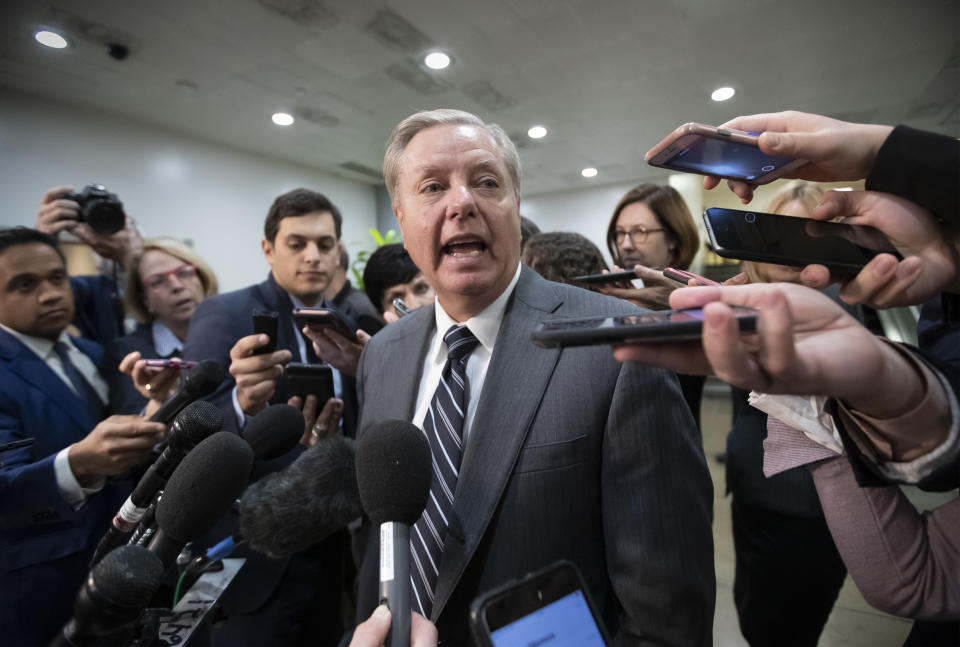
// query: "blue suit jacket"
[[45, 544]]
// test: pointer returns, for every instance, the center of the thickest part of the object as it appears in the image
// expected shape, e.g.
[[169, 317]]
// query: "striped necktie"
[[443, 426], [81, 386]]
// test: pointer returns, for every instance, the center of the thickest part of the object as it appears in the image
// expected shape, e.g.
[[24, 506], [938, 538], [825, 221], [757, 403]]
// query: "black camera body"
[[99, 208]]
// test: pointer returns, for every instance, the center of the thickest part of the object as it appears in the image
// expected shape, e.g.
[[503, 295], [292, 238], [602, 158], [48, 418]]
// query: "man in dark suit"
[[271, 600], [565, 453], [55, 501]]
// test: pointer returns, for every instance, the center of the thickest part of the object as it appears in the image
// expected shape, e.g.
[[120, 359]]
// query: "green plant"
[[360, 261]]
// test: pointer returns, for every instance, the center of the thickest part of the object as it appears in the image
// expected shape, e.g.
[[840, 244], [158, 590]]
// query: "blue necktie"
[[443, 426], [81, 386]]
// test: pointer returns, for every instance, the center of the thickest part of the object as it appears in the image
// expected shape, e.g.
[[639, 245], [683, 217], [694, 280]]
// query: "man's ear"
[[267, 247]]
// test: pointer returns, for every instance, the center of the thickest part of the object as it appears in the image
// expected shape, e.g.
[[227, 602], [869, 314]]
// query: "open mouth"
[[465, 248]]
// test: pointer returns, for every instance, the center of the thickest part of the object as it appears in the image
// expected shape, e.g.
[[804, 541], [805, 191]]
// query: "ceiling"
[[608, 78]]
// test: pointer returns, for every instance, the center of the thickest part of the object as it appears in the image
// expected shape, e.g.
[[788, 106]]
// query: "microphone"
[[274, 431], [302, 504], [394, 467], [109, 602], [196, 422], [199, 492], [200, 381]]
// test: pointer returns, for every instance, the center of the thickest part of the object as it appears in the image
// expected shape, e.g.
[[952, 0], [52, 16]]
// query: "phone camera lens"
[[750, 218]]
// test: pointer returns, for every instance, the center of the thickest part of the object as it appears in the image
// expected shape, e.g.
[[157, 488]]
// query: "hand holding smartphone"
[[722, 152], [324, 318], [550, 605], [683, 276], [160, 364]]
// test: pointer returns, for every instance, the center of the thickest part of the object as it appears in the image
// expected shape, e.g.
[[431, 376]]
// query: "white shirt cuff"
[[238, 410], [71, 491]]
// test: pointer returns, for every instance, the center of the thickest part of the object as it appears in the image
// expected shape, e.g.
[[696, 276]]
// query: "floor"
[[853, 623]]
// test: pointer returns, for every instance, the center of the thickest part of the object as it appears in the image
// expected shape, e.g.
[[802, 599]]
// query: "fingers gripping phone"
[[683, 276], [320, 318], [786, 240], [649, 327], [548, 607], [724, 152]]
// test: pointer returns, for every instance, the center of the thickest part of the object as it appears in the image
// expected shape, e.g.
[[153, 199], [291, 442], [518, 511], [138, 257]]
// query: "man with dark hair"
[[391, 274], [351, 301], [559, 256], [272, 600], [55, 498]]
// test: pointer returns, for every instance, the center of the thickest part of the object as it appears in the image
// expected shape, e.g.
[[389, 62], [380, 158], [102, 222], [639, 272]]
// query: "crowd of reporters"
[[805, 510]]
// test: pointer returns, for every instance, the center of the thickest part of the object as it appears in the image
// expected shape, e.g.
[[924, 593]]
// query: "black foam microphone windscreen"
[[274, 431], [200, 381], [393, 471], [302, 504], [200, 491], [111, 598]]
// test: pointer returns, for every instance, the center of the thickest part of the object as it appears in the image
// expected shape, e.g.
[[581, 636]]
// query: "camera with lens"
[[99, 208]]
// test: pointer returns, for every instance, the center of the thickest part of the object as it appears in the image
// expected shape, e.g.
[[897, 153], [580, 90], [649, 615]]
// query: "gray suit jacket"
[[571, 455]]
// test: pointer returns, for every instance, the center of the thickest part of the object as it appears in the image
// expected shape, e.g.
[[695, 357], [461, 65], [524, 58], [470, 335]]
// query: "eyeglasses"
[[638, 235], [183, 273]]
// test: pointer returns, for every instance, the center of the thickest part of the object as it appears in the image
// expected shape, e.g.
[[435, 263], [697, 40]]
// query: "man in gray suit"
[[539, 454]]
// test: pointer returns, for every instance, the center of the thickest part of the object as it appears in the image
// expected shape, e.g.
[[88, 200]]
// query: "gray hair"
[[407, 129]]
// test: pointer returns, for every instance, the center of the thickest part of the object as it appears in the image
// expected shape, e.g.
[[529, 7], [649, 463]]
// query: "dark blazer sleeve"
[[657, 511], [96, 316], [214, 329], [922, 167], [124, 397]]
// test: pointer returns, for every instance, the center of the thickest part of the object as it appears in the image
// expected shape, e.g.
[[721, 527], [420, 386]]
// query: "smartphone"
[[310, 379], [609, 277], [319, 318], [683, 276], [551, 606], [649, 327], [785, 240], [401, 307], [164, 363], [265, 323], [724, 152]]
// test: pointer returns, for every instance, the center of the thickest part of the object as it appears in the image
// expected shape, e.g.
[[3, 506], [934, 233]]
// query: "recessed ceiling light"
[[282, 119], [437, 60], [51, 39], [537, 132], [722, 94], [844, 188], [589, 172]]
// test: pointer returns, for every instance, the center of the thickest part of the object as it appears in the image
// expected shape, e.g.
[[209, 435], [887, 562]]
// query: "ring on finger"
[[318, 430]]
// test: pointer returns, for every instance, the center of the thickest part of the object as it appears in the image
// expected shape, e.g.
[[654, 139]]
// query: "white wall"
[[171, 184]]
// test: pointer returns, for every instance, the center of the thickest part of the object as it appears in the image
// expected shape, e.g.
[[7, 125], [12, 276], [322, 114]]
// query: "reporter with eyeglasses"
[[166, 282]]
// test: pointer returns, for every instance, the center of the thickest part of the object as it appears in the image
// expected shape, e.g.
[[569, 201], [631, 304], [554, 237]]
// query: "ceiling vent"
[[394, 31], [487, 96], [412, 76], [302, 12]]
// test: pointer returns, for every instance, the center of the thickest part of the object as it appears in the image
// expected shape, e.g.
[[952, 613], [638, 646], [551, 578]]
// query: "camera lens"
[[750, 218], [104, 216]]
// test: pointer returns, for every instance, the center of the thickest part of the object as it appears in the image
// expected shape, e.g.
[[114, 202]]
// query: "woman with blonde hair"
[[166, 281]]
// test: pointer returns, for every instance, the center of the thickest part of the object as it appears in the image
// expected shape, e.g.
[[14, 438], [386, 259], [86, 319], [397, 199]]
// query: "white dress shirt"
[[70, 489], [485, 326], [164, 341]]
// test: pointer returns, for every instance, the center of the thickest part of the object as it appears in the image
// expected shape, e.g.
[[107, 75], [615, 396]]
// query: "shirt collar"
[[41, 347], [484, 325], [164, 341]]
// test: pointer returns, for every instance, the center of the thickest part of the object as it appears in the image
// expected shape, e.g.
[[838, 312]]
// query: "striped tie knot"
[[460, 342]]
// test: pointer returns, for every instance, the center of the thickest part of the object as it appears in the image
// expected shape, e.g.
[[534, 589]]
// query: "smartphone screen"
[[566, 622], [772, 238], [725, 158]]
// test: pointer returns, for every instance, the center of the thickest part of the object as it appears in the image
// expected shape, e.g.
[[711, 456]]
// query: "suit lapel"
[[512, 389], [35, 371], [401, 367]]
